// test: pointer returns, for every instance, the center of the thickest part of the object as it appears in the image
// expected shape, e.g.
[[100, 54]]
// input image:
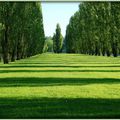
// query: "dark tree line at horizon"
[[21, 30], [95, 29]]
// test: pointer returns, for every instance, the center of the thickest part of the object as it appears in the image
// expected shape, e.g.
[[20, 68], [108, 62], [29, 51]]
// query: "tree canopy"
[[21, 30], [57, 40], [94, 29]]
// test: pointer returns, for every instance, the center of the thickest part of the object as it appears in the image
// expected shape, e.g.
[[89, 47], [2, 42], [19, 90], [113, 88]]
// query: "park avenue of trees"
[[94, 29], [21, 30]]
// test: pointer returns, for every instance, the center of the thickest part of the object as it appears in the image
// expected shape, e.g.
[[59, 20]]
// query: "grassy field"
[[60, 86]]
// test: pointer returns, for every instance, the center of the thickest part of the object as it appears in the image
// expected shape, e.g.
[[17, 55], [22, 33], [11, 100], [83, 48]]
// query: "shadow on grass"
[[9, 82], [59, 108], [14, 71], [43, 66]]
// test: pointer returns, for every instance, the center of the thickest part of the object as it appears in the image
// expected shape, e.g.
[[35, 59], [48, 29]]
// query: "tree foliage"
[[57, 40], [94, 29], [22, 33], [48, 45]]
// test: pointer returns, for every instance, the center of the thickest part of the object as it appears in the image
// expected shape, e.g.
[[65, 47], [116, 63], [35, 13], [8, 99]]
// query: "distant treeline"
[[21, 30], [55, 43], [95, 29], [57, 40]]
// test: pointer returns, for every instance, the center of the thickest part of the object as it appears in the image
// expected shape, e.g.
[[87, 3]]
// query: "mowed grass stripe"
[[60, 86]]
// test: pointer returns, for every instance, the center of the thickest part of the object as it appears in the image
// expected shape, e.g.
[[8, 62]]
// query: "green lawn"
[[60, 86]]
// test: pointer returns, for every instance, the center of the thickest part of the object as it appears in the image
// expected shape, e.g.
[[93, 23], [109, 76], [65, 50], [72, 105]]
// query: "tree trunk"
[[19, 49], [13, 55], [5, 47]]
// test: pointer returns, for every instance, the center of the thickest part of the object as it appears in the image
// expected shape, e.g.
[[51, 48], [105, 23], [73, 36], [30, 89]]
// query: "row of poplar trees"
[[95, 29], [21, 30]]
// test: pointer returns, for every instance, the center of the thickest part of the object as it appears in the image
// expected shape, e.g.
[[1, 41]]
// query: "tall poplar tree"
[[57, 40]]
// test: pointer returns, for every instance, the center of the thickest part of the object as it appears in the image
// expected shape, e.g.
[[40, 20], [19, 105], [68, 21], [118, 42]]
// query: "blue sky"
[[54, 13]]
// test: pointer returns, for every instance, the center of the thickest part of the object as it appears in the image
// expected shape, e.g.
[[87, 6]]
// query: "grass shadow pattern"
[[59, 108], [30, 82], [43, 107]]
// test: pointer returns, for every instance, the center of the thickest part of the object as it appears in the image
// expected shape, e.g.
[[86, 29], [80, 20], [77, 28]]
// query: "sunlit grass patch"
[[60, 86]]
